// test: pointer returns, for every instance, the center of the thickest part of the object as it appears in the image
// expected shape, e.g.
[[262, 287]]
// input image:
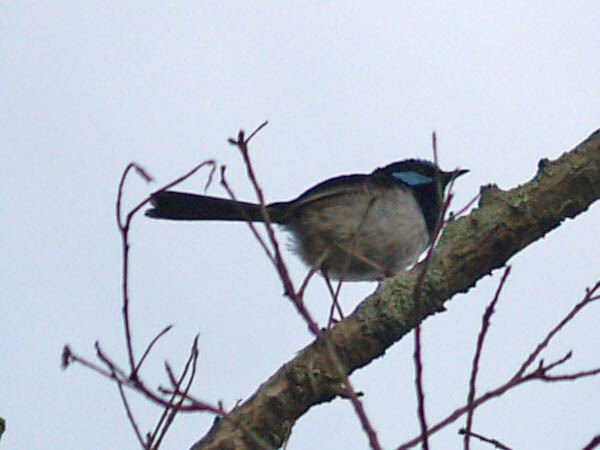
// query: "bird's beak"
[[458, 173], [449, 176]]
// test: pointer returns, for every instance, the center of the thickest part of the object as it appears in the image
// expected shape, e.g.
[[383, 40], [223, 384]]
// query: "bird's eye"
[[412, 178]]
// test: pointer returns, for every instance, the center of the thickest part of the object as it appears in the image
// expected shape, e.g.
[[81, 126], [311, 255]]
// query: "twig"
[[467, 206], [351, 395], [595, 442], [130, 416], [540, 373], [253, 229], [334, 298], [288, 287], [124, 230], [304, 285], [434, 147], [589, 296], [362, 415], [416, 299], [69, 357], [149, 347], [242, 144], [494, 442], [438, 230], [419, 387], [168, 418], [485, 323]]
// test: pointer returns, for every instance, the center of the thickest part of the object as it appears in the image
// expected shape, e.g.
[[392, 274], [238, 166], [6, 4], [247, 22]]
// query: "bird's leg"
[[334, 295]]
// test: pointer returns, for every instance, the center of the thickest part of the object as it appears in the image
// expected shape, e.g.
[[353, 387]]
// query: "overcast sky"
[[88, 86]]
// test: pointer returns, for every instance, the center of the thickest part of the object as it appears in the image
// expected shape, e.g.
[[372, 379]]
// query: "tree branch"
[[470, 247]]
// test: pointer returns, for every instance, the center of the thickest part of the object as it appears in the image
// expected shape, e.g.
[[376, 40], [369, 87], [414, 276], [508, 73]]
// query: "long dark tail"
[[182, 206]]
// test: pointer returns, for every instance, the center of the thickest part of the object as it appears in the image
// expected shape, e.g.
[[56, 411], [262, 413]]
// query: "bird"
[[358, 227]]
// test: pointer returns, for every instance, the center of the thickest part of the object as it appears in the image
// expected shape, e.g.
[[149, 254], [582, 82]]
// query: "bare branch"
[[419, 387], [168, 415], [595, 442], [288, 286], [539, 373], [132, 421], [464, 209], [124, 230], [485, 323], [589, 297], [149, 347]]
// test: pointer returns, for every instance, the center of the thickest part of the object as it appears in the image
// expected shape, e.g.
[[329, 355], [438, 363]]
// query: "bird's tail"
[[182, 206]]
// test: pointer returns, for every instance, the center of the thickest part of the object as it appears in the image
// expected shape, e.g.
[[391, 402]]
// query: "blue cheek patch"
[[412, 178]]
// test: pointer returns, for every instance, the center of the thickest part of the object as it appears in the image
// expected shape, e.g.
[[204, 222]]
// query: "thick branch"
[[504, 223]]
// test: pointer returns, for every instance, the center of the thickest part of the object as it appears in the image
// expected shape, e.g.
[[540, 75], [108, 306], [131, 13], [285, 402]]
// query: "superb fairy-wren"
[[356, 227]]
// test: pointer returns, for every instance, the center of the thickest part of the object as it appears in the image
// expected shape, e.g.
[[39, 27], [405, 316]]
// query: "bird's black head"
[[425, 180]]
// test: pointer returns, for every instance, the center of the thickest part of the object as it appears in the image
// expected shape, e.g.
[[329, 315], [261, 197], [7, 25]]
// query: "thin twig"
[[494, 442], [467, 206], [438, 230], [595, 442], [116, 373], [253, 229], [434, 147], [572, 376], [542, 345], [74, 358], [419, 387], [149, 347], [124, 230], [242, 144], [192, 361], [288, 287], [132, 421], [350, 394], [304, 285], [416, 299], [114, 368], [485, 323], [334, 298], [362, 415]]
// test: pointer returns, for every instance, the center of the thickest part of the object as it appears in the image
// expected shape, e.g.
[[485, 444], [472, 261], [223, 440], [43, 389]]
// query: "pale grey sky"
[[87, 87]]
